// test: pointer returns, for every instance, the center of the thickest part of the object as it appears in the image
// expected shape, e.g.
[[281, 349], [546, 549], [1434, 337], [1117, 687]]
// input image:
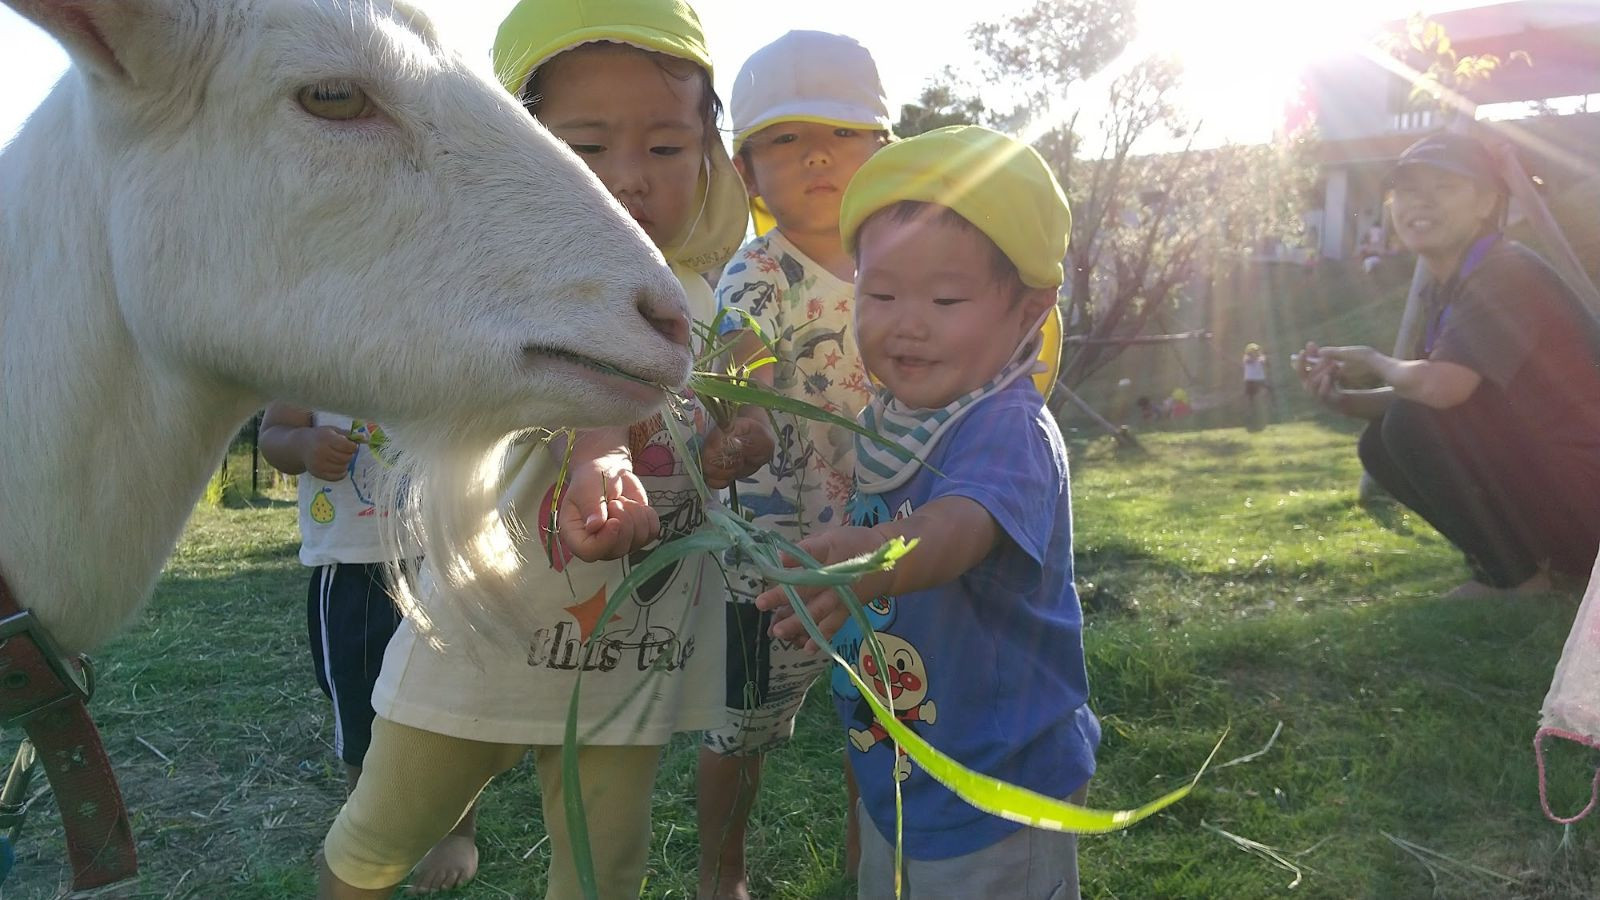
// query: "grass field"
[[1232, 585]]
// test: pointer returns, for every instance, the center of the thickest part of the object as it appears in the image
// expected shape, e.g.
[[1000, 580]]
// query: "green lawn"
[[1232, 584]]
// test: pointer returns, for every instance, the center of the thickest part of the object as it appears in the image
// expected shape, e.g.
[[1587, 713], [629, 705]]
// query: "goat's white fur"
[[181, 241]]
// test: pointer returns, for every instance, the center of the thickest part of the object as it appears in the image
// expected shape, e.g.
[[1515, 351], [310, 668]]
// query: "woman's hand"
[[1357, 364], [1319, 375], [1323, 372]]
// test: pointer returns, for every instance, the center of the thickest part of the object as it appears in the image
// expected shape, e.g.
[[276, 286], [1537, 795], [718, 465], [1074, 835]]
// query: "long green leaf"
[[763, 548], [744, 392], [984, 792], [992, 795], [572, 799]]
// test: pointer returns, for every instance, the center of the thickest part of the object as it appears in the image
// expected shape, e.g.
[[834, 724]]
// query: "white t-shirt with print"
[[807, 314], [659, 665], [339, 521]]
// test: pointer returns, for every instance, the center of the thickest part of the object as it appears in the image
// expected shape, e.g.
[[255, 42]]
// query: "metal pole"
[[1123, 436], [1561, 255], [255, 452]]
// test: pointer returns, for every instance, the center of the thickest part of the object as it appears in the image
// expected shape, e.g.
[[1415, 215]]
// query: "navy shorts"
[[350, 618]]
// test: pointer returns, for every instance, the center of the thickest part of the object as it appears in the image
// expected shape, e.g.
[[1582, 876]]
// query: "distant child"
[[808, 110], [627, 85], [350, 614], [959, 235], [1255, 373], [1178, 404]]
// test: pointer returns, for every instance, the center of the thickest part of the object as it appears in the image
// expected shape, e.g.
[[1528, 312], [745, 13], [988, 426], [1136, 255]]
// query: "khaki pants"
[[416, 785]]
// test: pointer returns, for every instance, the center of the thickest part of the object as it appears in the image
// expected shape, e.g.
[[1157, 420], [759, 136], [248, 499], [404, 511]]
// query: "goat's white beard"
[[474, 588]]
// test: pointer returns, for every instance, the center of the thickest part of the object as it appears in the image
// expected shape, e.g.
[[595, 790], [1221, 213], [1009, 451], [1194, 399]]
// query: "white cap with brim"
[[808, 76]]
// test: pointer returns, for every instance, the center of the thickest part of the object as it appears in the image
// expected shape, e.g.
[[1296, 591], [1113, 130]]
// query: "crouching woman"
[[1492, 433]]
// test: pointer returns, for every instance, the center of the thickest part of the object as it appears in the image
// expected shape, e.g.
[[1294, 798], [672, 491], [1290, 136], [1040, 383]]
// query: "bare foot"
[[1540, 583], [450, 864], [724, 889]]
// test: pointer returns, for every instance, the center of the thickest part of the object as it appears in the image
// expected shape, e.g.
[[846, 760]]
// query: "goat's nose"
[[665, 311]]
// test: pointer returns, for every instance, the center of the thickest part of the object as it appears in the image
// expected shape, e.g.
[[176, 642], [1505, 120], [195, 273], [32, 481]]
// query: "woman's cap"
[[1252, 347], [808, 76], [1451, 152], [536, 30], [999, 184]]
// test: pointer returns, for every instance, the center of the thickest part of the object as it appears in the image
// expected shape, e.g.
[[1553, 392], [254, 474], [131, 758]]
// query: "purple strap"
[[1475, 254]]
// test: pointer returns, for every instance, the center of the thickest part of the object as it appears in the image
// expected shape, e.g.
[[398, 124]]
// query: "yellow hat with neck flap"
[[536, 31]]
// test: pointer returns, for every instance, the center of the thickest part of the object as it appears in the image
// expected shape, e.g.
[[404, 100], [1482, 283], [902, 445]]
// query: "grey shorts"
[[1031, 864]]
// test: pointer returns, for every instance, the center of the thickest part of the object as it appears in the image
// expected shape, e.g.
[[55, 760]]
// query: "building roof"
[[1561, 38], [1354, 97], [1548, 145]]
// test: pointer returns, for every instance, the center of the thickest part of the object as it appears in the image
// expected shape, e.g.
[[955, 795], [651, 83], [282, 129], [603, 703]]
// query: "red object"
[[45, 691]]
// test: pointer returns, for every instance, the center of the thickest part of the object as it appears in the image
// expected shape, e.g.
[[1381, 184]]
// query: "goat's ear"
[[98, 34]]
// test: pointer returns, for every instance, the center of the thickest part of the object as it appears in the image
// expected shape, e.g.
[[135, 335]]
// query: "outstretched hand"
[[605, 513], [827, 608]]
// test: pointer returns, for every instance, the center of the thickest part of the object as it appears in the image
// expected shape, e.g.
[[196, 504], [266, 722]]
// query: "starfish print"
[[832, 359], [588, 613], [842, 306]]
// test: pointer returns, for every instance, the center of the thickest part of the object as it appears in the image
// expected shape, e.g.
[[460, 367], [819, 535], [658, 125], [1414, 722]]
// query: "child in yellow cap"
[[1255, 374], [959, 236], [627, 85], [808, 110]]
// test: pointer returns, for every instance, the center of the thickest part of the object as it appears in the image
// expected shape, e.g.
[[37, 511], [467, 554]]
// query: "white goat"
[[229, 201]]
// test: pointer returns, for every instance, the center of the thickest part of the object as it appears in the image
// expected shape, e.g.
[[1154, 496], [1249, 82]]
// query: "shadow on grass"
[[218, 736], [1389, 515], [239, 500], [1409, 718]]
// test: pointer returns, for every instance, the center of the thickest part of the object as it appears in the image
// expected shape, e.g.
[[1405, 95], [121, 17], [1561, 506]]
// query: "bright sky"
[[1241, 56]]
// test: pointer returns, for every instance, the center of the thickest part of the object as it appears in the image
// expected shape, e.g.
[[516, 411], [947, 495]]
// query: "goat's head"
[[316, 201]]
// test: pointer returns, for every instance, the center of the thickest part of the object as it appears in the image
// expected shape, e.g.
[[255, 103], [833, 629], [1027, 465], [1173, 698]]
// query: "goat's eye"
[[336, 100]]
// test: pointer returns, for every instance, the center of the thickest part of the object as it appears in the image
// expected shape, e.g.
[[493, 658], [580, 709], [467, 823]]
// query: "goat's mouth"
[[632, 383]]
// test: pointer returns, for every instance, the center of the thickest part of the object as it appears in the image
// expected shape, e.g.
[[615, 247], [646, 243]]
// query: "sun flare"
[[1243, 58]]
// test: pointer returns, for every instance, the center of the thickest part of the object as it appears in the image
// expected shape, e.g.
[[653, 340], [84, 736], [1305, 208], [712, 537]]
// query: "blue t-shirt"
[[988, 668]]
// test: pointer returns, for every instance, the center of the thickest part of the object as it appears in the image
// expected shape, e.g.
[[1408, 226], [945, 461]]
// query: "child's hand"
[[604, 512], [327, 451], [739, 451], [827, 608]]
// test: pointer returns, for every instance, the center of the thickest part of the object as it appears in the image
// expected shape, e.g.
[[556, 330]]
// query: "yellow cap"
[[1049, 353], [1001, 185], [1252, 346], [535, 31]]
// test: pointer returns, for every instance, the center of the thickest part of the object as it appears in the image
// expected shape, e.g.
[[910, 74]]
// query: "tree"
[[941, 103], [1146, 225], [1054, 44], [1440, 78]]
